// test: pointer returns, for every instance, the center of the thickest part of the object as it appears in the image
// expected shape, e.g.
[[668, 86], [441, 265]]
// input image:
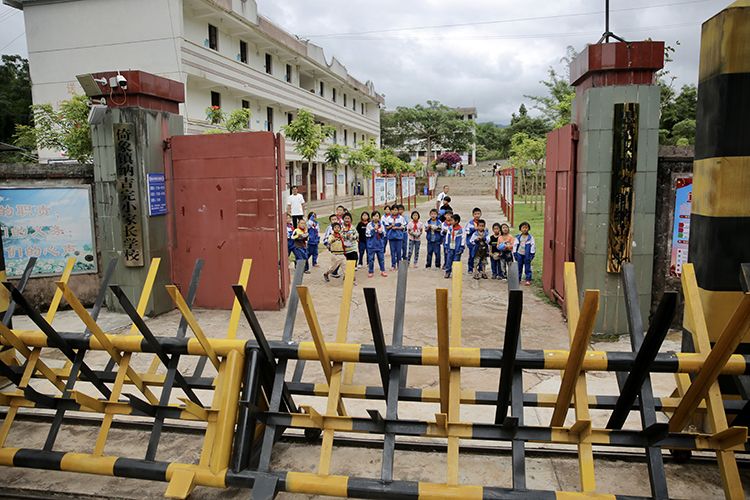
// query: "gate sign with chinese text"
[[51, 224], [127, 191], [157, 194]]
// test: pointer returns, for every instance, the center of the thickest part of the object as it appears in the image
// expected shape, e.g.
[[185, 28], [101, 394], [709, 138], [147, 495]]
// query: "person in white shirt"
[[295, 206], [440, 197]]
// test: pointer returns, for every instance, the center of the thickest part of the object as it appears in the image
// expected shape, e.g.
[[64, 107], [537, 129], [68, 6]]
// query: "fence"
[[504, 191], [250, 402]]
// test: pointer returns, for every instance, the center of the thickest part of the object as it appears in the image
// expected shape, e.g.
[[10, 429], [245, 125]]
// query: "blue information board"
[[157, 194]]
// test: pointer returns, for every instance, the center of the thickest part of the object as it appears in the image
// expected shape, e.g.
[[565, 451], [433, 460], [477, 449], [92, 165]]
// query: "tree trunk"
[[309, 188], [428, 154]]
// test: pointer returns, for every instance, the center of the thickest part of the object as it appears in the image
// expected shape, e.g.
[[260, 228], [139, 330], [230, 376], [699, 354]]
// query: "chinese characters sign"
[[127, 191], [622, 195], [157, 194], [51, 224], [681, 225]]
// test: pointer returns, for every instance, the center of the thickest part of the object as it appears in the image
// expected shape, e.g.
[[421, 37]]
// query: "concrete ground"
[[485, 303]]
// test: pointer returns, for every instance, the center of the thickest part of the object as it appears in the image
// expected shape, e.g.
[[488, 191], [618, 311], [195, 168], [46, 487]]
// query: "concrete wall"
[[151, 129], [674, 161], [39, 291], [595, 114]]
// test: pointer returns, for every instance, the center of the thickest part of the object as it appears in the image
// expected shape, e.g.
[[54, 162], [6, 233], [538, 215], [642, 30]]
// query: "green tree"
[[683, 132], [493, 142], [426, 127], [307, 136], [679, 109], [334, 156], [390, 163], [556, 106], [523, 123], [66, 129], [528, 154], [15, 95]]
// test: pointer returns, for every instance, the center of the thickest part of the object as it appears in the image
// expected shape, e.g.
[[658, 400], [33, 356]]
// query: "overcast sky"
[[500, 52]]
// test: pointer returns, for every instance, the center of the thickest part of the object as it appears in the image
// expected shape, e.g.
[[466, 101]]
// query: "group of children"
[[446, 241]]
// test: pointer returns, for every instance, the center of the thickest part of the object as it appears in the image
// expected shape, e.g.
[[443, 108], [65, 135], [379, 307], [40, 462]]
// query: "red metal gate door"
[[559, 216], [226, 192]]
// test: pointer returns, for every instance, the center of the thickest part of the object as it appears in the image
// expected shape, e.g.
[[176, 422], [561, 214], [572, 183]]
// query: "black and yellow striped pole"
[[720, 222], [4, 295]]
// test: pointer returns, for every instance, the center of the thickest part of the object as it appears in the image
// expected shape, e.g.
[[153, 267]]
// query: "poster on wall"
[[379, 191], [433, 181], [157, 194], [404, 187], [681, 224], [390, 189], [412, 186], [51, 224], [509, 188], [329, 177]]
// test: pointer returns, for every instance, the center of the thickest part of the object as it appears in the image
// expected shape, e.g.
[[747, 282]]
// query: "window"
[[471, 116], [354, 104], [289, 118], [288, 75], [344, 99], [245, 104], [243, 52], [334, 94], [269, 62], [269, 119], [346, 140], [363, 108], [213, 37], [335, 137], [354, 139], [215, 99], [322, 89]]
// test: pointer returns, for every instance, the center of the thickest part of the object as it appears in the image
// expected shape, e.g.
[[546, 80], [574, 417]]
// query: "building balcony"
[[210, 65]]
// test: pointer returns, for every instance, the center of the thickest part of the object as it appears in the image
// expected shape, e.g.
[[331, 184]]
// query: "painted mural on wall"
[[681, 224], [51, 224]]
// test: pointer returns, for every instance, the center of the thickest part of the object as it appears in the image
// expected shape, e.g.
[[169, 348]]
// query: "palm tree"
[[334, 154]]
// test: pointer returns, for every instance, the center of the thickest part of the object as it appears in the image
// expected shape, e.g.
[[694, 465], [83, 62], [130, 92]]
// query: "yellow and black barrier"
[[244, 408]]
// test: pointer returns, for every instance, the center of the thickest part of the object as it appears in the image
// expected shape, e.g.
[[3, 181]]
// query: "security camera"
[[118, 81]]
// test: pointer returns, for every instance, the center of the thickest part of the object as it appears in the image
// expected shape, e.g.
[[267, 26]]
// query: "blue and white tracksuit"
[[470, 229], [524, 260], [454, 243], [313, 240], [376, 239], [434, 241], [395, 237], [289, 240]]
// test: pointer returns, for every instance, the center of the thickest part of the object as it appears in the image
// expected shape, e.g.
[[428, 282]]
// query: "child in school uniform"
[[414, 229], [387, 221], [445, 208], [480, 241], [364, 219], [336, 246], [524, 251], [289, 232], [476, 214], [434, 239], [395, 233], [495, 251], [505, 245], [455, 241], [444, 227], [313, 237], [405, 236], [299, 237], [376, 238], [326, 237]]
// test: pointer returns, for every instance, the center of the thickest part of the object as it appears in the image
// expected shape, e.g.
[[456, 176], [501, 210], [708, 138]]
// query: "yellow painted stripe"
[[148, 285], [314, 484], [6, 456], [176, 297], [429, 491], [58, 293], [721, 186], [89, 464], [717, 309], [4, 293], [724, 42], [234, 318]]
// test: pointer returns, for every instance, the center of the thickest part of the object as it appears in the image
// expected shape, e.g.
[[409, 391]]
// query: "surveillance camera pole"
[[607, 33]]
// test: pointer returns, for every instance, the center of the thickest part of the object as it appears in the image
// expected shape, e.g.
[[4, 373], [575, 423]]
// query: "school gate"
[[227, 206]]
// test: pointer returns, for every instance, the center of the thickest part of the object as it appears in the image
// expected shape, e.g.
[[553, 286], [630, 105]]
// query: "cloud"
[[491, 65]]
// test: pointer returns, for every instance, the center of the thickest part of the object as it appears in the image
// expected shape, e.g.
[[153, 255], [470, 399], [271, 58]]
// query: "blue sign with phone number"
[[157, 194]]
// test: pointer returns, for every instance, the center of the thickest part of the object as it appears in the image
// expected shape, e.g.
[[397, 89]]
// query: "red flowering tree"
[[449, 158]]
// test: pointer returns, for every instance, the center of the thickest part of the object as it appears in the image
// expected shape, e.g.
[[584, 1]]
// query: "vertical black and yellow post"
[[720, 222], [4, 294]]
